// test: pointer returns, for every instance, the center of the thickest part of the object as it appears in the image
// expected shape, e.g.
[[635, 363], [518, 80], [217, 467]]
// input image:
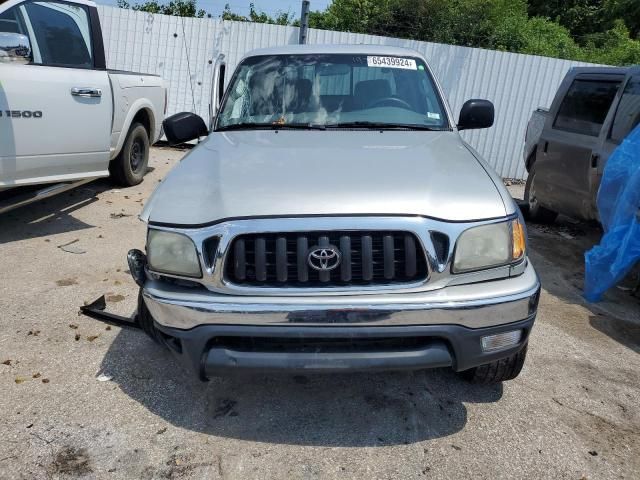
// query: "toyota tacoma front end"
[[332, 220]]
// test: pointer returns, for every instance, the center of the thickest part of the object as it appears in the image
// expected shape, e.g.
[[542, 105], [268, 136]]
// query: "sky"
[[271, 7]]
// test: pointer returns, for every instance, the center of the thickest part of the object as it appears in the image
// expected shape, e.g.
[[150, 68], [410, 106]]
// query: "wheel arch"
[[531, 159], [144, 116], [140, 112]]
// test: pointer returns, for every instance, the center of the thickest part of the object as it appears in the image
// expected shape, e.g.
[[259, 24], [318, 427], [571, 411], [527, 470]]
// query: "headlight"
[[489, 246], [173, 253]]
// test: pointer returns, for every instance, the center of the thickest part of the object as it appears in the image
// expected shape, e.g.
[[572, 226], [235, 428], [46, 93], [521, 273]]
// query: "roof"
[[384, 50], [601, 70]]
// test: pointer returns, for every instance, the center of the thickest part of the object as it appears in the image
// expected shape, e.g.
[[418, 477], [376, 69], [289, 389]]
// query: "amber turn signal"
[[519, 243]]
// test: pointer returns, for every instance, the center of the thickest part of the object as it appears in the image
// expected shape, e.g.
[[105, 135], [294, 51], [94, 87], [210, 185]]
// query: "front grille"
[[367, 258]]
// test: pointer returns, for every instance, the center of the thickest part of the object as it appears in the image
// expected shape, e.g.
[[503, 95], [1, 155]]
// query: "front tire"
[[536, 212], [129, 167], [498, 371]]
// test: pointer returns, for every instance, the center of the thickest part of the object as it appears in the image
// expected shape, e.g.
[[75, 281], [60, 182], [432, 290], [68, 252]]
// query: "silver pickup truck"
[[333, 219]]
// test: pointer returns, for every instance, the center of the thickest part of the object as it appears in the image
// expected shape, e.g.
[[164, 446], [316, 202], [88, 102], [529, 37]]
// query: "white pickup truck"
[[64, 118]]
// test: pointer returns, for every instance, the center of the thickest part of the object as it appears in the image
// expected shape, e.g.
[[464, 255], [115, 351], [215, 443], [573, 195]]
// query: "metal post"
[[304, 22]]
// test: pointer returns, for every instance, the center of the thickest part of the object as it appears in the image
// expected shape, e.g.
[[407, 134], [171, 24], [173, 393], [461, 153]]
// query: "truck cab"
[[64, 118], [592, 112]]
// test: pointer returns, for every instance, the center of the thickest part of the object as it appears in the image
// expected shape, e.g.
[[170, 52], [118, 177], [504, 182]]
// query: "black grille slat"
[[410, 263], [281, 259], [367, 258], [345, 266], [302, 247], [239, 257], [389, 257], [261, 259]]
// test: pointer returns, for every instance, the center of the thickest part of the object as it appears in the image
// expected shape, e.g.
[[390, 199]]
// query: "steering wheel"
[[390, 102]]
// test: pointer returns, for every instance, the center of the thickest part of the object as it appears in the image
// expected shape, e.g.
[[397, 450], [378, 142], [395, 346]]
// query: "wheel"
[[145, 320], [536, 212], [130, 166], [498, 371]]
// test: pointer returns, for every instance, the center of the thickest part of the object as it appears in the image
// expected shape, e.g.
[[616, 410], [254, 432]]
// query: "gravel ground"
[[81, 399]]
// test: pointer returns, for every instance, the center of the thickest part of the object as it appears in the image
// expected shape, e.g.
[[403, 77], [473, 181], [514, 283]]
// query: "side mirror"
[[184, 127], [14, 48], [476, 114]]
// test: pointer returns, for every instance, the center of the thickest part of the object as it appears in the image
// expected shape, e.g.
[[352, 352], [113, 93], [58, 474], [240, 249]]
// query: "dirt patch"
[[71, 461], [66, 282], [114, 298]]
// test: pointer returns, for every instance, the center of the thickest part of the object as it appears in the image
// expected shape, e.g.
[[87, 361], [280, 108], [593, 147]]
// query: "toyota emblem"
[[324, 259]]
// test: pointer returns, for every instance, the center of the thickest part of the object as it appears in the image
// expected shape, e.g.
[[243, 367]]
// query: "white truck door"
[[55, 120]]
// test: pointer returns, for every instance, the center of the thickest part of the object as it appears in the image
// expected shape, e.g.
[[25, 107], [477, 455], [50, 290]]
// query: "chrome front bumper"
[[479, 305]]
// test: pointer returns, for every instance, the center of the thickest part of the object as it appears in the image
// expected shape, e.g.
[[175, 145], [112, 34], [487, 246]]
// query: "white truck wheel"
[[130, 166]]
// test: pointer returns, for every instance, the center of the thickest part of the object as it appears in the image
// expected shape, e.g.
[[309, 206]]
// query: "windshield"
[[317, 90]]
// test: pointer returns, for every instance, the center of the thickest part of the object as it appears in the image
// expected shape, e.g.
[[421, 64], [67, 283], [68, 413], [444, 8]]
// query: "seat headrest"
[[368, 90]]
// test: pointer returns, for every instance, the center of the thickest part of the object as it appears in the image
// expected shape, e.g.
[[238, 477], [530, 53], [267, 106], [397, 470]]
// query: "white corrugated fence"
[[183, 51]]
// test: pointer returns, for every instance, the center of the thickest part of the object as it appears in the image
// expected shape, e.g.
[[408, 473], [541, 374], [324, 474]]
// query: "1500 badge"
[[20, 113]]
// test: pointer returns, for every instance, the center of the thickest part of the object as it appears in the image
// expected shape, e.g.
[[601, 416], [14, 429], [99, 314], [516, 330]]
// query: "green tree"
[[282, 18], [627, 10], [580, 17], [179, 8], [599, 31], [541, 36], [570, 29], [472, 23], [358, 16], [613, 47]]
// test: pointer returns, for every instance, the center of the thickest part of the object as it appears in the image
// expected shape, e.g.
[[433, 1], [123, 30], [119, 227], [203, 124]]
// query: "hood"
[[293, 172]]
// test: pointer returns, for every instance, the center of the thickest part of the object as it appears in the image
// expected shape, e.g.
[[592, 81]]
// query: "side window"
[[62, 33], [628, 113], [11, 22], [585, 106]]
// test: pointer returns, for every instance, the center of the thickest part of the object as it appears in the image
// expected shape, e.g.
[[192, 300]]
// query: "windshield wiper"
[[270, 126], [301, 126], [386, 126], [315, 126]]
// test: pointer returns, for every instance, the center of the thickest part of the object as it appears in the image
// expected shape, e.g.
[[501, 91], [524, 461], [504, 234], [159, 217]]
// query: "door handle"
[[594, 160], [86, 92]]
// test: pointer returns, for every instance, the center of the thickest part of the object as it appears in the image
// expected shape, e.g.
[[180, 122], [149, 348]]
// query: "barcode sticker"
[[392, 62]]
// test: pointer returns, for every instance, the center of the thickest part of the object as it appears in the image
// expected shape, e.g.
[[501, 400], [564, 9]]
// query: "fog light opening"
[[500, 341]]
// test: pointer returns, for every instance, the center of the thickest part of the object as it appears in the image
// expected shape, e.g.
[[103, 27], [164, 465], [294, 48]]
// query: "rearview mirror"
[[184, 127], [14, 48], [334, 69], [476, 114]]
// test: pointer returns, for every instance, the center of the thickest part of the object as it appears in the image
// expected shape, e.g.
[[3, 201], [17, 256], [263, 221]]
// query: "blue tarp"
[[618, 203]]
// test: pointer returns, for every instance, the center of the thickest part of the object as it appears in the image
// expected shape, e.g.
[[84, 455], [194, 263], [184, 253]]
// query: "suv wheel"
[[498, 371], [536, 212], [129, 167], [145, 320]]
